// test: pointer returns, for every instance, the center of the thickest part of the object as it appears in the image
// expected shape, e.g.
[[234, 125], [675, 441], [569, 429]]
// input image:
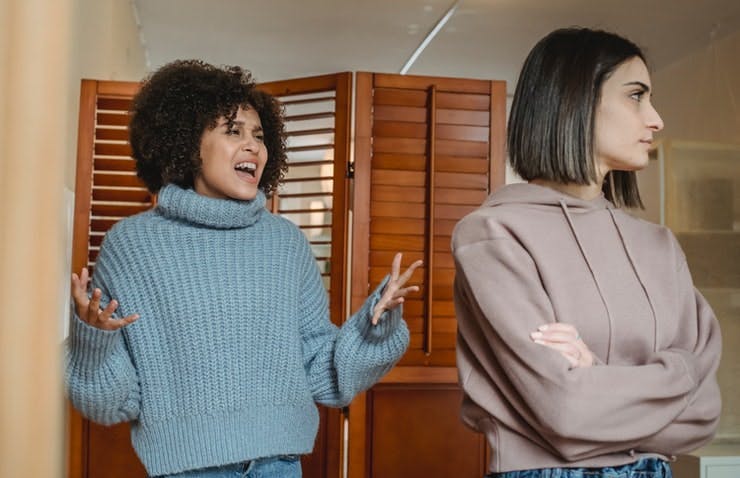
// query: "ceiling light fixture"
[[441, 23]]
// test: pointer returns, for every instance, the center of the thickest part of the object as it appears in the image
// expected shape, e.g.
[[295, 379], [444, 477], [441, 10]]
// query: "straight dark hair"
[[551, 125]]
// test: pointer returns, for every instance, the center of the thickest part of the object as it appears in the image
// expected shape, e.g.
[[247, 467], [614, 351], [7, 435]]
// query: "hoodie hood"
[[536, 195]]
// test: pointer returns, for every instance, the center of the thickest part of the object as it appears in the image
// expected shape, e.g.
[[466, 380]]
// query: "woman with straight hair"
[[584, 349]]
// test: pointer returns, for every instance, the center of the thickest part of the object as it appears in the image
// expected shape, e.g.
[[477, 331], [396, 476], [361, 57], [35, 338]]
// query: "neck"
[[581, 191]]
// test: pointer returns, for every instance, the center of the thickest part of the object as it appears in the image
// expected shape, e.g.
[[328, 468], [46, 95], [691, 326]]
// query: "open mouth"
[[247, 168]]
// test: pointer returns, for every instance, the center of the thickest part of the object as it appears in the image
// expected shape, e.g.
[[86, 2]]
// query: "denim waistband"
[[648, 467]]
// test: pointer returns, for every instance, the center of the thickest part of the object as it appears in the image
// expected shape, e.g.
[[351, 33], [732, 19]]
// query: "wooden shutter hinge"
[[350, 169]]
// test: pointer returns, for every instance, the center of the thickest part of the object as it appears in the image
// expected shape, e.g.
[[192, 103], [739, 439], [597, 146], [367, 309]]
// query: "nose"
[[251, 144], [654, 121]]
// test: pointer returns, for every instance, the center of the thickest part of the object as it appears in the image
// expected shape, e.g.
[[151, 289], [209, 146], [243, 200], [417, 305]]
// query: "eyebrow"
[[638, 83], [231, 124]]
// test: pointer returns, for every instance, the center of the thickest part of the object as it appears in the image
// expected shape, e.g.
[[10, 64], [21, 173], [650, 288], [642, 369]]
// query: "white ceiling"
[[279, 39]]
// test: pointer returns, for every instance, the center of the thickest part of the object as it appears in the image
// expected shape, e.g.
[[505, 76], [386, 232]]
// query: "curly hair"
[[175, 106]]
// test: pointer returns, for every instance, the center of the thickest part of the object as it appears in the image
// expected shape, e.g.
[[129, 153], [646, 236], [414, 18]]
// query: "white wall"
[[107, 47]]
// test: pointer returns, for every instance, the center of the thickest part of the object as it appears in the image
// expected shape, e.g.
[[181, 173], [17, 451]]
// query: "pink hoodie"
[[530, 256]]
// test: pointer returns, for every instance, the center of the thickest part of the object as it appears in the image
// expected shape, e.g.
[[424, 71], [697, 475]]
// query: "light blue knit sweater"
[[234, 344]]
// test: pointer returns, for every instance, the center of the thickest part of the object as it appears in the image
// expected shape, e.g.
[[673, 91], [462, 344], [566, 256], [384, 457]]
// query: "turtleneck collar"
[[187, 205]]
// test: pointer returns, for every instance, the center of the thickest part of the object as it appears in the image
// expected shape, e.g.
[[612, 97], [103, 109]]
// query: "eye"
[[638, 95], [260, 136]]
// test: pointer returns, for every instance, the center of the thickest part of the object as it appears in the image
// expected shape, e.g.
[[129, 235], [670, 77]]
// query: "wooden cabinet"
[[721, 461], [427, 152]]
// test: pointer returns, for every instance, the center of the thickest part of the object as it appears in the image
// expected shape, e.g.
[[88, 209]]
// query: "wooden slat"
[[381, 242], [462, 180], [462, 133], [308, 132], [125, 195], [460, 196], [399, 145], [111, 179], [121, 104], [112, 119], [114, 164], [123, 89], [423, 375], [309, 116], [444, 227], [377, 274], [397, 97], [442, 84], [463, 117], [444, 211], [102, 225], [111, 134], [445, 309], [462, 165], [112, 149], [402, 178], [117, 210], [462, 148], [398, 129], [384, 258], [464, 101], [400, 113], [441, 358], [302, 86], [304, 101], [442, 323], [397, 209], [441, 340], [411, 162], [306, 195], [443, 257], [397, 193], [382, 225], [96, 240], [311, 147], [299, 164]]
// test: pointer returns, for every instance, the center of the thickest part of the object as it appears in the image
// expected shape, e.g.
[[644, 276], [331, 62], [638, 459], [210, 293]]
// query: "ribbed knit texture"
[[234, 344]]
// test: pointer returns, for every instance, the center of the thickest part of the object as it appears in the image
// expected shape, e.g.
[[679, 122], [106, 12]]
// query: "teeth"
[[249, 166]]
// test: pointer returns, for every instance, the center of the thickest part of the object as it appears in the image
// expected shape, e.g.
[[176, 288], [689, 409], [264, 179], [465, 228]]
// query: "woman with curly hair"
[[207, 327], [584, 350]]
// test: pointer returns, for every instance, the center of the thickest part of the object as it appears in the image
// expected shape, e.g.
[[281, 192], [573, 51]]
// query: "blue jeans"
[[284, 466], [643, 468]]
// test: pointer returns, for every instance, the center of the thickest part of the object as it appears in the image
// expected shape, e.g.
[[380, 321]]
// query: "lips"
[[246, 169]]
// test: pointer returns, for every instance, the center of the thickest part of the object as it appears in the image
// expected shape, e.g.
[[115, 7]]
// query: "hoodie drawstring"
[[639, 279], [564, 207]]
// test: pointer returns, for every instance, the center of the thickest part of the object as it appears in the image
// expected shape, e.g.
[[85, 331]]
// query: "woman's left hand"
[[565, 339], [394, 292]]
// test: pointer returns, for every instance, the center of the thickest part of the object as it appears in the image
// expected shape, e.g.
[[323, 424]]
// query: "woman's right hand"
[[565, 339], [88, 309]]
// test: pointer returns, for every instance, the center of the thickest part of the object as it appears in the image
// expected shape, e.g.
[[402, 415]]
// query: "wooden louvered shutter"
[[106, 190], [428, 151], [314, 196]]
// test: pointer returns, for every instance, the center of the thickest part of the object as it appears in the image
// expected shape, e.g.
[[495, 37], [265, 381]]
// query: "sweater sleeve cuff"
[[95, 344], [389, 322]]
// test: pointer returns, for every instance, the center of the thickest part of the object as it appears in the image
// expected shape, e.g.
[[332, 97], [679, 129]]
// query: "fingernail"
[[542, 327], [536, 335], [539, 342]]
